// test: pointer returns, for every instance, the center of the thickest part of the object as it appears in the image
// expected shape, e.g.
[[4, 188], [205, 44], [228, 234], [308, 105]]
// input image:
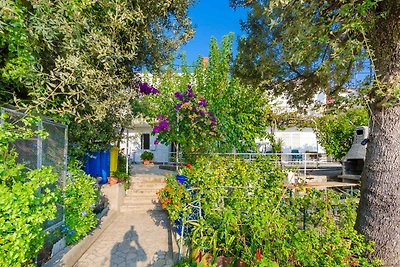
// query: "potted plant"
[[147, 156]]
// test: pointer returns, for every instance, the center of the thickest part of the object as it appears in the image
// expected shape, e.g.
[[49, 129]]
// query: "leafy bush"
[[248, 214], [81, 196], [147, 155], [121, 171], [173, 197], [26, 201], [335, 131]]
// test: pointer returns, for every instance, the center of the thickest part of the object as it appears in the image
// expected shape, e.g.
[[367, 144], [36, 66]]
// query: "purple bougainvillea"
[[202, 102], [164, 126], [193, 116], [190, 93], [147, 89], [156, 129], [179, 96]]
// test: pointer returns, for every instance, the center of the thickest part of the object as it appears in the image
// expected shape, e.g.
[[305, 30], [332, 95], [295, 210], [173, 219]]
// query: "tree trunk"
[[379, 210], [378, 215]]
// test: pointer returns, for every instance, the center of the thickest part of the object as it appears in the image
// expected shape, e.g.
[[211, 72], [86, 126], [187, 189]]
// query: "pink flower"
[[156, 142]]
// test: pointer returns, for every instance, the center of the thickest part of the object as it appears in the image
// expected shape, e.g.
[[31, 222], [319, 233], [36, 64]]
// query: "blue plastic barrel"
[[104, 165], [97, 164]]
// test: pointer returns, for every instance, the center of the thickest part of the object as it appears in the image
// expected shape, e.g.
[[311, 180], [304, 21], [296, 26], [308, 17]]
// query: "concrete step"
[[148, 179], [149, 194], [147, 185], [144, 191], [140, 208], [139, 201]]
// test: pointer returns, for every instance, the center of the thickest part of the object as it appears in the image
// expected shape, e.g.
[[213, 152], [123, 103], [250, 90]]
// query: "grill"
[[353, 162]]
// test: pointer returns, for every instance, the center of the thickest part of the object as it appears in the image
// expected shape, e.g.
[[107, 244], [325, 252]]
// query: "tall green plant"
[[81, 196], [240, 111], [247, 213], [26, 201], [335, 131]]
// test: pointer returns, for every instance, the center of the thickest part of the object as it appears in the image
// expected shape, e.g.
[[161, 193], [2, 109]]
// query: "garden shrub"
[[249, 214], [81, 196], [26, 201], [121, 171]]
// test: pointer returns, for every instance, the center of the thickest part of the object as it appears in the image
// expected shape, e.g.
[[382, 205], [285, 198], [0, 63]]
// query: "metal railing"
[[302, 160]]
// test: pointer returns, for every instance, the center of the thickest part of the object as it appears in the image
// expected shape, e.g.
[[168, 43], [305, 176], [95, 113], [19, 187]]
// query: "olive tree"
[[75, 59]]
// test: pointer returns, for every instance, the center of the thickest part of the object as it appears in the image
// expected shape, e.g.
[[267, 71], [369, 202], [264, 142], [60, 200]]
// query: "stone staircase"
[[142, 194]]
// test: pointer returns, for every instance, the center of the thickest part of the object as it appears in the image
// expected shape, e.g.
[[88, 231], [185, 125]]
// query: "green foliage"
[[26, 202], [173, 197], [303, 49], [80, 197], [335, 131], [187, 263], [249, 214], [16, 61], [189, 122], [121, 171], [73, 60], [276, 144], [241, 111], [147, 155]]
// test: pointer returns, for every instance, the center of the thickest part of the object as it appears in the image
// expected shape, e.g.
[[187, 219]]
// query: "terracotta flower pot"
[[240, 263], [200, 256], [223, 261], [112, 180], [146, 162]]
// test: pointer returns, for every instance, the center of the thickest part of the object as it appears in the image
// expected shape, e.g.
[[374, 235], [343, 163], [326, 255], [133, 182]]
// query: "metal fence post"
[[39, 160]]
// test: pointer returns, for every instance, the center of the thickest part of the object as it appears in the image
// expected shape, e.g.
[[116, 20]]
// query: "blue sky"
[[211, 18]]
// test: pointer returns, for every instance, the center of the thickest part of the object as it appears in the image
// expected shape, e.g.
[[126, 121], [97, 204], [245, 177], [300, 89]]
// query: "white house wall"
[[293, 139], [160, 151], [303, 140]]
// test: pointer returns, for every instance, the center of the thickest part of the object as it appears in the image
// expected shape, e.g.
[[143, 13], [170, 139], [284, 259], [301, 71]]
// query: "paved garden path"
[[140, 235]]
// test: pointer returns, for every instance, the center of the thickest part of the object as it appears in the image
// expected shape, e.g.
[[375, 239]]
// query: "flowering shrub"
[[173, 198], [26, 201], [189, 123], [81, 196], [147, 89], [249, 214]]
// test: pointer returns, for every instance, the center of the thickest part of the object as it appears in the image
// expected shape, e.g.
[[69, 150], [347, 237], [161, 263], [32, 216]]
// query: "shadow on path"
[[128, 252], [160, 218], [162, 258]]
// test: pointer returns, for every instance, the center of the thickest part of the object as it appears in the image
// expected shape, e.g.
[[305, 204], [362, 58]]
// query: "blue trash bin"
[[97, 164]]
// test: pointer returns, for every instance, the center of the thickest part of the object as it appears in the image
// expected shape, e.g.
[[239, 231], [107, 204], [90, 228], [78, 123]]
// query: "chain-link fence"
[[36, 152]]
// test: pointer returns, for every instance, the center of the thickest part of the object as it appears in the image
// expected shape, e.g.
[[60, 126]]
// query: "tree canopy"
[[75, 59], [241, 111], [304, 47], [299, 48]]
